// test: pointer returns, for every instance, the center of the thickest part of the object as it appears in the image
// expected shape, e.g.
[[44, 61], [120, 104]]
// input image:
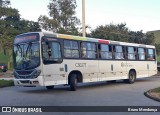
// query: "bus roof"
[[71, 37]]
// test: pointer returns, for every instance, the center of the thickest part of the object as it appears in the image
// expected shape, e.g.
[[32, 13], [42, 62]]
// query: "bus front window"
[[26, 56]]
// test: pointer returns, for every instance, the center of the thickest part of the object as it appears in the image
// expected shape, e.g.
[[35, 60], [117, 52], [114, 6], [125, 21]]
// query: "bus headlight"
[[16, 75], [37, 73]]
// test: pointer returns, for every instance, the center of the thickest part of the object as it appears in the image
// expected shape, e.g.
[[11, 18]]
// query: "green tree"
[[136, 36], [6, 14], [62, 17], [157, 49], [149, 38], [141, 38], [11, 25], [117, 32]]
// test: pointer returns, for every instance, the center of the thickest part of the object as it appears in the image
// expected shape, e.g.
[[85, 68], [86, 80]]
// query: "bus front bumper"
[[29, 82]]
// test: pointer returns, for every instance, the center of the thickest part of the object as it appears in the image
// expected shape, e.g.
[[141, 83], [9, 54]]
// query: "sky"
[[137, 14]]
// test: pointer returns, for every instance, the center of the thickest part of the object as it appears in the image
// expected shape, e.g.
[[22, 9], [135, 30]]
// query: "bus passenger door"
[[53, 69]]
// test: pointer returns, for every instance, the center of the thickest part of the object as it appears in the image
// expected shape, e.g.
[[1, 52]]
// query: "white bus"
[[48, 59]]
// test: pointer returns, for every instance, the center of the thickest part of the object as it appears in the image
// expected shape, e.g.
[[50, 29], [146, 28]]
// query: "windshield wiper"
[[29, 47], [19, 49]]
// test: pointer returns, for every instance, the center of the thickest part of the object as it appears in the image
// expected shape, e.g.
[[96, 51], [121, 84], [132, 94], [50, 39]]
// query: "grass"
[[153, 94], [156, 90], [6, 83]]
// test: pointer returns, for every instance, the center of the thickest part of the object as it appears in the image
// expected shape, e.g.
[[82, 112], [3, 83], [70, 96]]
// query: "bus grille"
[[24, 72], [26, 81]]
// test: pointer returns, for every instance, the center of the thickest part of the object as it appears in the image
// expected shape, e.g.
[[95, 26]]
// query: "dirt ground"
[[154, 94], [7, 74]]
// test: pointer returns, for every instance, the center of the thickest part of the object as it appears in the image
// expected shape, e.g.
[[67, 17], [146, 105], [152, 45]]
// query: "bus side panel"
[[139, 66], [112, 70], [88, 68], [54, 74], [152, 66]]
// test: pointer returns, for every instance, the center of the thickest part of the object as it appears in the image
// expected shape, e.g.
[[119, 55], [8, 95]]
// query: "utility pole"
[[83, 19]]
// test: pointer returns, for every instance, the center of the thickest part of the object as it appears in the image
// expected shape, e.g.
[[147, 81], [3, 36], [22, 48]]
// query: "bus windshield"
[[26, 56]]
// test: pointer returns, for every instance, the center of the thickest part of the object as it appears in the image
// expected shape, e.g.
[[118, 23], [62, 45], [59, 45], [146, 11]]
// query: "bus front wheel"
[[73, 82]]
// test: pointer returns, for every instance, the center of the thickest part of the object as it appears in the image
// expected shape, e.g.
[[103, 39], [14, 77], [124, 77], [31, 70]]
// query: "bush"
[[6, 83]]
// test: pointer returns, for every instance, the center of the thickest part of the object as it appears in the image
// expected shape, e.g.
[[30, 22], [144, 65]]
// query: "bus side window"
[[51, 53], [105, 51], [131, 54], [83, 49], [150, 54], [45, 51], [118, 51], [141, 53], [88, 50], [71, 49]]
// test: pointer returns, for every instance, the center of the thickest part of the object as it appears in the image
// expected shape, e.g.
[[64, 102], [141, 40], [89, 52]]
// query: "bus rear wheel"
[[131, 78], [73, 82], [50, 87]]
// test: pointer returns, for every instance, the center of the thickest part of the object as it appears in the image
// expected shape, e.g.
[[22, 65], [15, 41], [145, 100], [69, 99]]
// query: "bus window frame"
[[99, 51], [154, 54], [52, 39], [135, 53], [79, 51], [123, 52], [144, 54]]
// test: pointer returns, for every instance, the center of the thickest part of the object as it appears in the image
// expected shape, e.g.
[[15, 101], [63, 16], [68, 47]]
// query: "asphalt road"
[[92, 94]]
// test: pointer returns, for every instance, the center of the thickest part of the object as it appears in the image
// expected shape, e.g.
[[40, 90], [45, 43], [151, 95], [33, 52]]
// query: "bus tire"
[[50, 87], [131, 77], [73, 82]]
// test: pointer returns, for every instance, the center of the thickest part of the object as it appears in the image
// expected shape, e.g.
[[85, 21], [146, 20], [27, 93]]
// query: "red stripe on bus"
[[104, 41]]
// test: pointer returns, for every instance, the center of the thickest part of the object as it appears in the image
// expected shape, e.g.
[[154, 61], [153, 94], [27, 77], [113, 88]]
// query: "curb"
[[151, 97], [6, 79]]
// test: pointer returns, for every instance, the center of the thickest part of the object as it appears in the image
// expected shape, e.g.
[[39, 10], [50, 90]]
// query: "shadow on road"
[[84, 86]]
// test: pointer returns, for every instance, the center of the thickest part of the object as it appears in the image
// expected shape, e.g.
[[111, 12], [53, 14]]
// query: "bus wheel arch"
[[74, 77], [79, 76], [131, 76]]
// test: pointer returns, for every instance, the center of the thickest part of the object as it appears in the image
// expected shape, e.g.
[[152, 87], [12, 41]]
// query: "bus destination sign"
[[26, 38]]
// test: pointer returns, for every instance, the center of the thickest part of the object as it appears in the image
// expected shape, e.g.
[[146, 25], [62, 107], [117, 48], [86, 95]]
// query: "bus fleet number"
[[80, 64]]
